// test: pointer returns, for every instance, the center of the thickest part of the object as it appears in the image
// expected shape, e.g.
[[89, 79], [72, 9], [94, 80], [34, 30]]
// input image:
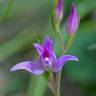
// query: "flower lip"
[[47, 60], [47, 64]]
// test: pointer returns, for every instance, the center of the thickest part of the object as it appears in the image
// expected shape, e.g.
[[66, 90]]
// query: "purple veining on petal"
[[32, 67], [62, 60]]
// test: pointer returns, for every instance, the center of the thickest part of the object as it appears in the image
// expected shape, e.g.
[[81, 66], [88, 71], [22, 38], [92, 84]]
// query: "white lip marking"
[[48, 63], [47, 60]]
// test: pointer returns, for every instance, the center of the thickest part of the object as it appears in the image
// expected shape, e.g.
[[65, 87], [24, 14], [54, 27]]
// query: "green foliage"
[[37, 88], [29, 20]]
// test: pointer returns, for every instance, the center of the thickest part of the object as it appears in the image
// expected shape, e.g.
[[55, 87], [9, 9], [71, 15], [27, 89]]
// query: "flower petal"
[[46, 40], [62, 60], [39, 48], [48, 43], [32, 67], [65, 58]]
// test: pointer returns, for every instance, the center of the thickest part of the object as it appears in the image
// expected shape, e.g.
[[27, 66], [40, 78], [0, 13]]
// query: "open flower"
[[46, 61], [72, 21]]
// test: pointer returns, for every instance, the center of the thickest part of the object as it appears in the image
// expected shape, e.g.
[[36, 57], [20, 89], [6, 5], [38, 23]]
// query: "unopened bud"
[[72, 21], [57, 13]]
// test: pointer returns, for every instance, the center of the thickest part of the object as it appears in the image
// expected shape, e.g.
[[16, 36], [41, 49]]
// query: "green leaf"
[[37, 86]]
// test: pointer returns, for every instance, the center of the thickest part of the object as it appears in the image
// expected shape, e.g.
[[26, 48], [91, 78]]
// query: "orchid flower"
[[47, 60]]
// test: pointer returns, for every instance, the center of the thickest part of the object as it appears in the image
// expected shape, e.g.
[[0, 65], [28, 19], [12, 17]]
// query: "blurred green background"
[[23, 22]]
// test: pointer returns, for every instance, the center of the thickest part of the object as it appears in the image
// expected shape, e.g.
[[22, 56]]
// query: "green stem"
[[58, 79], [5, 14], [60, 41], [58, 76], [52, 83], [63, 51], [69, 43], [37, 86]]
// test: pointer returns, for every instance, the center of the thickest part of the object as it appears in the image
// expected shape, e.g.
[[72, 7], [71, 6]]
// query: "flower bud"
[[57, 13], [72, 21]]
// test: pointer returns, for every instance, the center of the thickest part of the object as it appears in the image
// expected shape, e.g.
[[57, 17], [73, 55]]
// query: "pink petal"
[[62, 60], [32, 67], [39, 48], [48, 43]]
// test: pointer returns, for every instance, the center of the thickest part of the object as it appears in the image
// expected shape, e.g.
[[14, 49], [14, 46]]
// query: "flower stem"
[[60, 41], [69, 43], [52, 82], [63, 51], [58, 83], [58, 76]]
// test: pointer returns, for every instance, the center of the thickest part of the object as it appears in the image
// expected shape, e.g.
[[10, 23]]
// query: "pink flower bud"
[[57, 13], [72, 21], [59, 10]]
